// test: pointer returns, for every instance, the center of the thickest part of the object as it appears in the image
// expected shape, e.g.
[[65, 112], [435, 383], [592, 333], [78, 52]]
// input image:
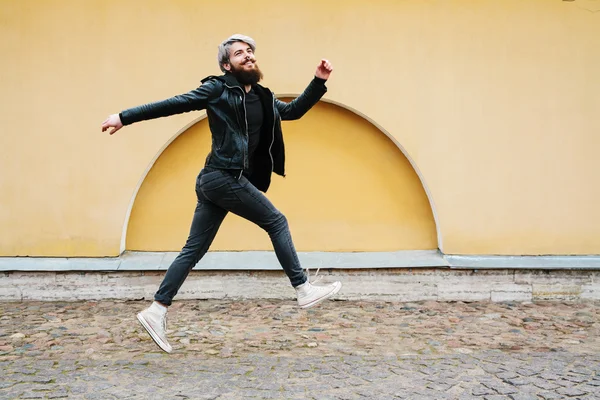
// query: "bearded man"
[[247, 147]]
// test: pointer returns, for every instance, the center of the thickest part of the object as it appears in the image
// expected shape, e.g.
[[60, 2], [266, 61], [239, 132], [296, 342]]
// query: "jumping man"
[[247, 146]]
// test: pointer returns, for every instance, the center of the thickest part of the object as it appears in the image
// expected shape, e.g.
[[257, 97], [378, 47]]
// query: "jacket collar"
[[230, 80]]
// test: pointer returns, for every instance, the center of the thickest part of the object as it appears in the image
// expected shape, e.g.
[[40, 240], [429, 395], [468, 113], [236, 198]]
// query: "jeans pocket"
[[212, 180]]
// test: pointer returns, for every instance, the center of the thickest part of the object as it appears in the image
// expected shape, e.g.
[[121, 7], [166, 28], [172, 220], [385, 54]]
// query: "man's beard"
[[247, 77]]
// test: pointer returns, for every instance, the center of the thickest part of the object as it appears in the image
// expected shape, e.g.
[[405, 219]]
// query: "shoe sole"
[[315, 302], [163, 346]]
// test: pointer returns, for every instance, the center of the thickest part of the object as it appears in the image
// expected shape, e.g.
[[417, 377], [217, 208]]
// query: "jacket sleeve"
[[196, 99], [299, 106]]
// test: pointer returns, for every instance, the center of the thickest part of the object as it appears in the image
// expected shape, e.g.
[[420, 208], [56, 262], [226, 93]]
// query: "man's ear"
[[227, 66]]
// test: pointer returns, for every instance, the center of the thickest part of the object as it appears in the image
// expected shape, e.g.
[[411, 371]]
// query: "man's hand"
[[113, 121], [324, 69]]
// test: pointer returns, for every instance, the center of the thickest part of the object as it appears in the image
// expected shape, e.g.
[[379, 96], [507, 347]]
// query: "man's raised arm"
[[196, 99], [311, 95]]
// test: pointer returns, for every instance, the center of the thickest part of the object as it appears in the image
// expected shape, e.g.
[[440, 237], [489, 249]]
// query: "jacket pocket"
[[222, 139]]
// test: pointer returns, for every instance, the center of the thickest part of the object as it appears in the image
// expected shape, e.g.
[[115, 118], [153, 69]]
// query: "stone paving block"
[[582, 370], [108, 396], [545, 384], [481, 390], [58, 394], [523, 396], [33, 395], [550, 396], [527, 372], [36, 379], [440, 386], [12, 393], [571, 391], [517, 381], [501, 388], [424, 395], [494, 369], [504, 375], [464, 396], [575, 378], [550, 376], [6, 383], [590, 389]]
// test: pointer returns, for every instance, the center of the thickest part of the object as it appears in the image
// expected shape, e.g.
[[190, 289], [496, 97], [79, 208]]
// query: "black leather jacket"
[[224, 100]]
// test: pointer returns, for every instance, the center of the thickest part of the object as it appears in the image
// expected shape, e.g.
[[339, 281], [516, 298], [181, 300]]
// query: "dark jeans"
[[218, 192]]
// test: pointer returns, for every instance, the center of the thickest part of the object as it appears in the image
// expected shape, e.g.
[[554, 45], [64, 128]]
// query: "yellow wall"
[[347, 188], [495, 101]]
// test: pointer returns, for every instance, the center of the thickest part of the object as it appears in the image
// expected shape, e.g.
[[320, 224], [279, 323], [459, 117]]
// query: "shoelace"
[[317, 278]]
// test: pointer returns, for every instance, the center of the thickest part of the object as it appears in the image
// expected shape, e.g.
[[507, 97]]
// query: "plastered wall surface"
[[495, 103]]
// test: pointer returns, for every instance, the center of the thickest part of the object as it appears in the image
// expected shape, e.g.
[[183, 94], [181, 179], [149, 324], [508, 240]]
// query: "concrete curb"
[[266, 261]]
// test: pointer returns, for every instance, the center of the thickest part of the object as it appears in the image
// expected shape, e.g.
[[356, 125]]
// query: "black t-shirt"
[[254, 116]]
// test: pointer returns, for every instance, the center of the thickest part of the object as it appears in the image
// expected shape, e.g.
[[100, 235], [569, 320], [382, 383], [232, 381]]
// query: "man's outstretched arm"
[[311, 95], [196, 99]]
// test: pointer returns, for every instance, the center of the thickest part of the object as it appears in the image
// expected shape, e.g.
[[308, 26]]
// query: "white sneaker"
[[310, 295], [154, 320]]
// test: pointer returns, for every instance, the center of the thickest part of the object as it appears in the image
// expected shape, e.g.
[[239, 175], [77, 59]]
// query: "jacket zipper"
[[273, 135], [245, 120]]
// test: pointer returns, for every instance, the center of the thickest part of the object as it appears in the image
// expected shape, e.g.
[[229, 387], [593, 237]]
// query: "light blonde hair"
[[223, 55]]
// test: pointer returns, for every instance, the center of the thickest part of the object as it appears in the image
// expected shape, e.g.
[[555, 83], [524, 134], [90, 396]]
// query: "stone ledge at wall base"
[[397, 284], [267, 261]]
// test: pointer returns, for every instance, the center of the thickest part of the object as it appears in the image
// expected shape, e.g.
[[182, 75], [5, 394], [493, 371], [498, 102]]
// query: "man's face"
[[242, 64], [241, 57]]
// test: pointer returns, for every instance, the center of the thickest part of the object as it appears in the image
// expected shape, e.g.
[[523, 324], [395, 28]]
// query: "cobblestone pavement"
[[233, 349]]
